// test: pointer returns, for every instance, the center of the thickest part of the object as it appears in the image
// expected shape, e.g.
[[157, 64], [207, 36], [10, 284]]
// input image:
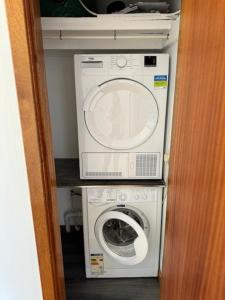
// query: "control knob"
[[122, 197], [121, 61]]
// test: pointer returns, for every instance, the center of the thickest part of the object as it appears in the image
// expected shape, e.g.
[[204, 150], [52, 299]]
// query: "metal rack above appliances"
[[139, 31]]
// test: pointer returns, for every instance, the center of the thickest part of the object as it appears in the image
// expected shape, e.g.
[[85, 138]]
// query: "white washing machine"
[[121, 109], [122, 231]]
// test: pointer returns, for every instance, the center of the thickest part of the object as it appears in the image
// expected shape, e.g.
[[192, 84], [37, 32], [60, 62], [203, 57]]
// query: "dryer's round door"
[[121, 234], [121, 114]]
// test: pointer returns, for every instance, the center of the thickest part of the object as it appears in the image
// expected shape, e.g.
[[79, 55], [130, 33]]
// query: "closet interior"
[[129, 38]]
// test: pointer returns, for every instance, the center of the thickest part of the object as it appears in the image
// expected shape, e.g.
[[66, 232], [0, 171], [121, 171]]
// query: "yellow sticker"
[[97, 263]]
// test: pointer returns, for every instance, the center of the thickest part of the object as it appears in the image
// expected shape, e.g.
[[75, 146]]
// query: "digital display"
[[150, 61]]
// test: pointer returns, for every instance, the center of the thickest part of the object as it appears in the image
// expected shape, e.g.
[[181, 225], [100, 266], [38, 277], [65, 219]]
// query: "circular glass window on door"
[[121, 114], [122, 234], [119, 235]]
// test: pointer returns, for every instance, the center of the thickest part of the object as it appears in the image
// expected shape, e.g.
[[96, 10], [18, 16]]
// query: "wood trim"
[[27, 51], [194, 264]]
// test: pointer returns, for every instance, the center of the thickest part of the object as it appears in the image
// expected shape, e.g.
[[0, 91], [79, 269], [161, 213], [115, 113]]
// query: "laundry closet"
[[111, 83]]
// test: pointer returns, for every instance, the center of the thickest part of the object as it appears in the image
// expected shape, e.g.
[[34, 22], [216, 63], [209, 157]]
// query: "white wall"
[[66, 202], [19, 271], [62, 106], [62, 103]]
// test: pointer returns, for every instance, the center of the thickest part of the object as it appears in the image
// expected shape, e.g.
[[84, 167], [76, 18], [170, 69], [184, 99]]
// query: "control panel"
[[121, 61], [122, 64], [121, 195]]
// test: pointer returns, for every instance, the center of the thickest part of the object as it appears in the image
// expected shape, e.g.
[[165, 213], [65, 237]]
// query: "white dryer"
[[121, 109], [122, 231]]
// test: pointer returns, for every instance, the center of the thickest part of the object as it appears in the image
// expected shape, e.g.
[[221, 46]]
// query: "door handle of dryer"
[[92, 99]]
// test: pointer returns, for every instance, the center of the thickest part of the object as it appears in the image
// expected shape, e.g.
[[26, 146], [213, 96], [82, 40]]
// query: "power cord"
[[95, 14], [87, 9]]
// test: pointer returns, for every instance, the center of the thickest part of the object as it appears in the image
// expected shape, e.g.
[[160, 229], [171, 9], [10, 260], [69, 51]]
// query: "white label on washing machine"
[[97, 263], [101, 195]]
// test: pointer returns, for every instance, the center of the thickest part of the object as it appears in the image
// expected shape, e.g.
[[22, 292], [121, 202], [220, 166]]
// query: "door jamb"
[[28, 59]]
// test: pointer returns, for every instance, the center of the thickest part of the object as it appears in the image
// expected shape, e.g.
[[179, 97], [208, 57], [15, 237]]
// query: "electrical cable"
[[174, 13], [87, 9], [166, 16], [95, 14]]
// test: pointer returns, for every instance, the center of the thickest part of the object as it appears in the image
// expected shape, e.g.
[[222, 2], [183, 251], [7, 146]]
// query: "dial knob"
[[122, 197], [121, 61]]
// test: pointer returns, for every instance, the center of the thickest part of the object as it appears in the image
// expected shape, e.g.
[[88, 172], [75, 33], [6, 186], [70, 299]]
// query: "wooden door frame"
[[28, 58], [194, 264]]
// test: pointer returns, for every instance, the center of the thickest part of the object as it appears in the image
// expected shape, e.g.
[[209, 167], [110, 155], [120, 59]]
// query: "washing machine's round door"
[[121, 114], [121, 233]]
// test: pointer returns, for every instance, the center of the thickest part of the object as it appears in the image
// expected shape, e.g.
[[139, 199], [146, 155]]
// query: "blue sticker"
[[160, 78], [160, 81]]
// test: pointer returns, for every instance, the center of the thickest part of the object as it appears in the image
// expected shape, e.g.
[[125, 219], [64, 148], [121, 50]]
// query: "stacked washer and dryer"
[[121, 111]]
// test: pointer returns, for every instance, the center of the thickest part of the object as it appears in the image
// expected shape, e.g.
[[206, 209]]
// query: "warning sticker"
[[160, 81], [97, 263]]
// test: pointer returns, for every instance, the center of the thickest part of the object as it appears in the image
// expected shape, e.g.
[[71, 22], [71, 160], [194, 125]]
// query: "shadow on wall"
[[62, 102]]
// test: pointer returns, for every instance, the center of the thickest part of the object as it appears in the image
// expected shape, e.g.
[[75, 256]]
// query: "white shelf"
[[108, 22], [141, 31]]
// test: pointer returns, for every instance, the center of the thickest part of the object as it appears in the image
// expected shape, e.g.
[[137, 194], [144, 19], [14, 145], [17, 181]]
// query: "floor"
[[80, 288]]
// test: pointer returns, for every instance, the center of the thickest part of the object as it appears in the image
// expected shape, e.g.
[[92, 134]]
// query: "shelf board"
[[68, 175], [107, 22], [141, 31]]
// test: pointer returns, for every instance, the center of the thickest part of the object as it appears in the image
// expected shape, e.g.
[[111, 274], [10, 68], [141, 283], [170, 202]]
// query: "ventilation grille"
[[103, 174], [146, 164]]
